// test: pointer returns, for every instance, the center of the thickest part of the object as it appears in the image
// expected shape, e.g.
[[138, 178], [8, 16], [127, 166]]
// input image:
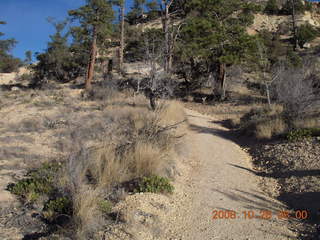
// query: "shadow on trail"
[[307, 200], [225, 132], [283, 174], [258, 206]]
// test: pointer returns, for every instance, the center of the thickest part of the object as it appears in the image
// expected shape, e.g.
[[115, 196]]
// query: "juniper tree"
[[215, 33]]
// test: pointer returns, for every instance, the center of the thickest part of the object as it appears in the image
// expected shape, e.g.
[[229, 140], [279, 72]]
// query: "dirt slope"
[[223, 183]]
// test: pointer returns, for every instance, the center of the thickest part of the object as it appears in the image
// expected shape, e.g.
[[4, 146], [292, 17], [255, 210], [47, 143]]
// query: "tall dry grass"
[[266, 123], [139, 142]]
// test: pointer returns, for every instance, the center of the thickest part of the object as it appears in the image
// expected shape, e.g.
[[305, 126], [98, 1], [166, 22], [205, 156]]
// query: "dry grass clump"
[[312, 121], [137, 143], [171, 113], [106, 168], [269, 128], [265, 122], [87, 215], [142, 146]]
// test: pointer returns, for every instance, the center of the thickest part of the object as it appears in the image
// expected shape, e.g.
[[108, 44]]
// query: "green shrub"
[[306, 33], [38, 182], [300, 7], [294, 59], [60, 205], [105, 206], [155, 184], [299, 134], [271, 7], [30, 187]]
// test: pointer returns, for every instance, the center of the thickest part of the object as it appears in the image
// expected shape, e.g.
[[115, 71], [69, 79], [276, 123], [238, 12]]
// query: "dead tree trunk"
[[90, 70], [122, 9]]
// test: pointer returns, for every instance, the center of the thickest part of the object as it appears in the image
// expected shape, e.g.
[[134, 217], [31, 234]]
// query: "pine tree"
[[8, 63], [121, 4], [57, 61], [28, 55], [272, 7], [95, 18], [165, 7], [215, 33], [136, 12]]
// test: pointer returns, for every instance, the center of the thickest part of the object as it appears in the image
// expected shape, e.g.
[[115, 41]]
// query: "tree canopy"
[[8, 63]]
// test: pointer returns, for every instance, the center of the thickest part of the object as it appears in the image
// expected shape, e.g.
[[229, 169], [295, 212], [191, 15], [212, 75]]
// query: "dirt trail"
[[223, 182]]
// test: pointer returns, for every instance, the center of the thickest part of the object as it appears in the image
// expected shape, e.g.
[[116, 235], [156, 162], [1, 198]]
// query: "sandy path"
[[222, 183]]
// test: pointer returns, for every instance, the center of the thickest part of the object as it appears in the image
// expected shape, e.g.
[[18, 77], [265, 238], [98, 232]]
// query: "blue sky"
[[27, 21]]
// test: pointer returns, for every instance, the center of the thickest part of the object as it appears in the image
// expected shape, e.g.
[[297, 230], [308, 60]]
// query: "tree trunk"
[[268, 94], [170, 53], [92, 60], [166, 22], [221, 80], [166, 32], [295, 39], [122, 37]]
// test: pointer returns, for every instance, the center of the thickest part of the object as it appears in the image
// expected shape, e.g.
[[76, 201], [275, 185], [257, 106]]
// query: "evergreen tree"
[[272, 7], [153, 9], [306, 33], [95, 20], [215, 33], [28, 59], [136, 12], [57, 61], [121, 4], [8, 63]]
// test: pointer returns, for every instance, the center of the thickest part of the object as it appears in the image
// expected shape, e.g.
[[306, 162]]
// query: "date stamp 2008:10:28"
[[261, 214]]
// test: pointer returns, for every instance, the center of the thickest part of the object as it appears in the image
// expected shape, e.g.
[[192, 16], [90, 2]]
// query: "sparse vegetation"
[[131, 142], [93, 135]]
